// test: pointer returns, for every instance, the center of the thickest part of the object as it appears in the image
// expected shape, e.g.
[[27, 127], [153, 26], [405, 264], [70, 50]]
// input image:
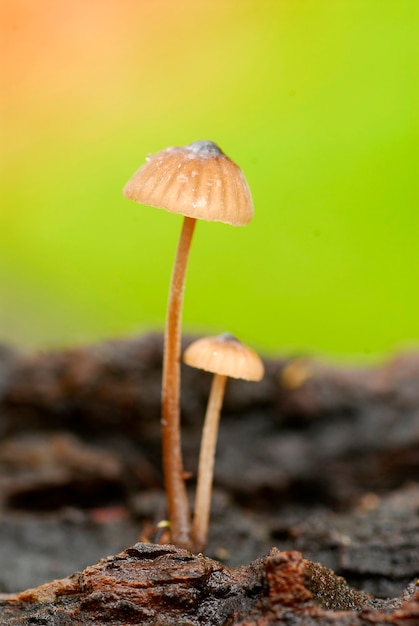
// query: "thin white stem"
[[177, 499], [206, 463]]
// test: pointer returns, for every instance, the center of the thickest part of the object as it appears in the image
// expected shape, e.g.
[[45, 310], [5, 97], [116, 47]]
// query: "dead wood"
[[317, 459], [162, 585]]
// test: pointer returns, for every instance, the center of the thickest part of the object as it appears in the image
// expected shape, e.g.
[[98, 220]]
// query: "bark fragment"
[[159, 585]]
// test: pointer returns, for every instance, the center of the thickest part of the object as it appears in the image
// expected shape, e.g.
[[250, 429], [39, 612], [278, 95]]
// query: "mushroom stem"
[[177, 499], [206, 463]]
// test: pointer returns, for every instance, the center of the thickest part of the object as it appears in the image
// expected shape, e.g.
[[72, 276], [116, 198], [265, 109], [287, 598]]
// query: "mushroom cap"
[[197, 181], [224, 355]]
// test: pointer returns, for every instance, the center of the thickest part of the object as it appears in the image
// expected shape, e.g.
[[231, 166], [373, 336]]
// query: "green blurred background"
[[316, 100]]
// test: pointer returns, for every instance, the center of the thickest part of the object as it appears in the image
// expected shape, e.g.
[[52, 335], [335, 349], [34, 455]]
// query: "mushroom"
[[224, 356], [200, 182]]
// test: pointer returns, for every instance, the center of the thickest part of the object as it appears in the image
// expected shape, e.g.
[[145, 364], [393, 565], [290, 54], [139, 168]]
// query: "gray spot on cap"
[[228, 337], [205, 148]]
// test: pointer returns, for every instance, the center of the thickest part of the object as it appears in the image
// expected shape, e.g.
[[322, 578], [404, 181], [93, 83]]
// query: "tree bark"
[[156, 585]]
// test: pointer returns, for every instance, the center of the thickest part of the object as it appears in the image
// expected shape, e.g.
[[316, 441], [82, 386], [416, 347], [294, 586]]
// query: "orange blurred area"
[[60, 56], [52, 51]]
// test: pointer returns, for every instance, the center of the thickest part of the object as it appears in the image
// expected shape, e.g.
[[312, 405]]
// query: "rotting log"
[[315, 458], [160, 585]]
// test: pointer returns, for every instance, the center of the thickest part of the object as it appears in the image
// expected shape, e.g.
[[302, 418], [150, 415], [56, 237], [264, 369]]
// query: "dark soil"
[[315, 459]]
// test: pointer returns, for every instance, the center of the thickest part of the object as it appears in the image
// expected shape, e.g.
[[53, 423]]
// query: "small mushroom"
[[200, 182], [224, 356]]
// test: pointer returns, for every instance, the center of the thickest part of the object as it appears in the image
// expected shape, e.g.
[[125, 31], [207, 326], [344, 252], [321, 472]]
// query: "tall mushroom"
[[224, 356], [200, 182]]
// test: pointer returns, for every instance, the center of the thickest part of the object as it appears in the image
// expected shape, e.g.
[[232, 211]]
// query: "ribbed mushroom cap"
[[197, 181], [224, 355]]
